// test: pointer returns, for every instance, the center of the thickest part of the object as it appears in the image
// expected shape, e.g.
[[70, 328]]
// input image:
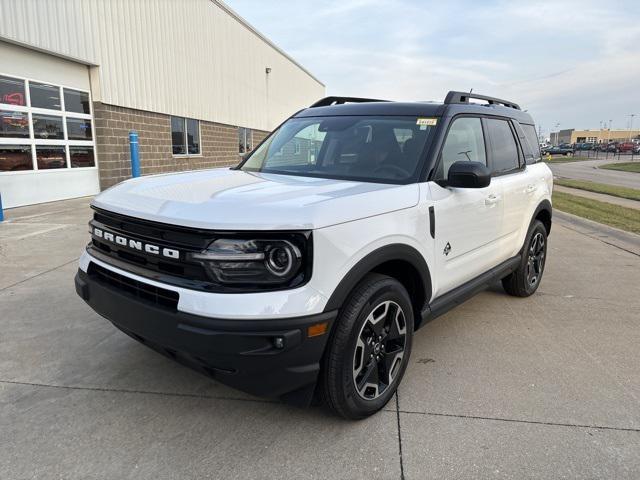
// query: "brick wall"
[[219, 144]]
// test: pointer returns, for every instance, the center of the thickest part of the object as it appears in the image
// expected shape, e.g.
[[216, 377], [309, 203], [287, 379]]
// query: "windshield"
[[379, 149]]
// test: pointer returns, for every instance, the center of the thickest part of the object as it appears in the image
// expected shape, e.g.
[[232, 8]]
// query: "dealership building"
[[198, 83]]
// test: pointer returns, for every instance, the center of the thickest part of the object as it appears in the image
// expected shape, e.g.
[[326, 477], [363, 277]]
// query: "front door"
[[468, 220]]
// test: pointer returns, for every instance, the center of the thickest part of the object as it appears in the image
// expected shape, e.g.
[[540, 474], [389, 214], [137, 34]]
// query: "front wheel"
[[369, 349], [526, 279]]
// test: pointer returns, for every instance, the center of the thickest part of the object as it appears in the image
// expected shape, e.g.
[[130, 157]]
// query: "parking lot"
[[543, 387]]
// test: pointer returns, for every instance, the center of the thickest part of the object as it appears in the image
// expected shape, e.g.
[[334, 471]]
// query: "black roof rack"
[[463, 97], [327, 101]]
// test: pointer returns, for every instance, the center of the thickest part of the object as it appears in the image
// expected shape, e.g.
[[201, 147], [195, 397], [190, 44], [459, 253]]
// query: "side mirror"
[[468, 175]]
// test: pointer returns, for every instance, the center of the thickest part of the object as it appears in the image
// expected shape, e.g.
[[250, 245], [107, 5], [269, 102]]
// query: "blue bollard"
[[135, 154], [1, 210]]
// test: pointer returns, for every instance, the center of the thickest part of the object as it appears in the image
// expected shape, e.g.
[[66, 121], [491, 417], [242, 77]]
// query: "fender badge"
[[447, 249]]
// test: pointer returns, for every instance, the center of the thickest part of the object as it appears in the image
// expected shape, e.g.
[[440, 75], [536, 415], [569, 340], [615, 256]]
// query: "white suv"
[[308, 268]]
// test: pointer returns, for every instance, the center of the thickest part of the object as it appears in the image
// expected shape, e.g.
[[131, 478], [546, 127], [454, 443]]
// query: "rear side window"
[[504, 150], [464, 142], [533, 155]]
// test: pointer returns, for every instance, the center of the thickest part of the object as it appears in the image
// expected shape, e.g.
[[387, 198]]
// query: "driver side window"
[[465, 141]]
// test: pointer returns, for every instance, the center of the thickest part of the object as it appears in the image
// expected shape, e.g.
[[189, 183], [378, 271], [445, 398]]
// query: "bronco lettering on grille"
[[136, 244]]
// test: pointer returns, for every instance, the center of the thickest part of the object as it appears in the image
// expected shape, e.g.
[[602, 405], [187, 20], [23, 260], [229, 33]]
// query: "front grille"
[[174, 271], [143, 291]]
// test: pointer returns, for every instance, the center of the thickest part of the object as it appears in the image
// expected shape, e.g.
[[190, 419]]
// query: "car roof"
[[426, 109]]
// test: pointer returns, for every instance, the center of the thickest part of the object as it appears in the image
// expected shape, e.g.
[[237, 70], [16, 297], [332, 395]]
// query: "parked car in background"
[[626, 147], [612, 147], [584, 146], [562, 149]]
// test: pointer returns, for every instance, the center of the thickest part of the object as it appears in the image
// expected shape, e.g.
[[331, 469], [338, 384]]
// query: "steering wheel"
[[400, 172]]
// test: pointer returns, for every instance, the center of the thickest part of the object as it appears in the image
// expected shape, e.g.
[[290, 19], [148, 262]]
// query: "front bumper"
[[239, 353]]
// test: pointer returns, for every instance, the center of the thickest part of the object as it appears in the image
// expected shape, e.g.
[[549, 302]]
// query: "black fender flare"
[[546, 206], [395, 251]]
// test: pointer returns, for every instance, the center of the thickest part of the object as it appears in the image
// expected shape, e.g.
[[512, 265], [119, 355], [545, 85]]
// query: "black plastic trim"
[[459, 295], [236, 352], [370, 262], [328, 101], [432, 221], [463, 97]]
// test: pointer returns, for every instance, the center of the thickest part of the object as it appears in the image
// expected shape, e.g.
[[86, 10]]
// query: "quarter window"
[[504, 150], [464, 142], [534, 146], [185, 136]]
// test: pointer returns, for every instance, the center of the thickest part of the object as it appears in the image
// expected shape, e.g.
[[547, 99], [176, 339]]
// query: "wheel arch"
[[399, 261], [544, 213]]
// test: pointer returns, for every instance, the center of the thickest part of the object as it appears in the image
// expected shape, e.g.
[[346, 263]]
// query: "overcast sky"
[[572, 62]]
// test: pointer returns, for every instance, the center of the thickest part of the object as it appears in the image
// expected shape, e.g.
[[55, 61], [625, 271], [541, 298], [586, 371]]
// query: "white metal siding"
[[189, 58]]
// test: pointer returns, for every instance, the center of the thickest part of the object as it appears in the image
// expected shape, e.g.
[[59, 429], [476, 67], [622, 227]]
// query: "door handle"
[[492, 199], [531, 188]]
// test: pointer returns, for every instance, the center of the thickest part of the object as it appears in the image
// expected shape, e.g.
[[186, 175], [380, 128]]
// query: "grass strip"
[[623, 167], [624, 218], [613, 190], [565, 159]]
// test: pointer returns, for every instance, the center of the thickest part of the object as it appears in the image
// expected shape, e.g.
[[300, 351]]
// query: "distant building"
[[199, 84], [593, 136]]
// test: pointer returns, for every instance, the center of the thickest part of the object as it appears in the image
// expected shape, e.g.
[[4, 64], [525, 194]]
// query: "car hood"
[[227, 199]]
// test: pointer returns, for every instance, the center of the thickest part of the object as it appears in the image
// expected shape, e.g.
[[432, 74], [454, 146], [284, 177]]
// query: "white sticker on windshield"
[[427, 122]]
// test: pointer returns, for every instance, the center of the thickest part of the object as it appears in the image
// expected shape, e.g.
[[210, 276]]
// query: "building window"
[[245, 140], [12, 91], [44, 96], [185, 136], [15, 157], [44, 127]]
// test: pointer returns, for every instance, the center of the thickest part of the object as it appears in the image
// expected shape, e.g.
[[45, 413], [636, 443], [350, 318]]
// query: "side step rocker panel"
[[464, 292]]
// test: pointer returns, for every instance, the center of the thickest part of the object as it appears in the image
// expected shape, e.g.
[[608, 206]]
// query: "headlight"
[[260, 262]]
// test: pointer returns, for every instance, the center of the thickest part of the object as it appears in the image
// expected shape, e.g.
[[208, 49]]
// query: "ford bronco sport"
[[307, 269]]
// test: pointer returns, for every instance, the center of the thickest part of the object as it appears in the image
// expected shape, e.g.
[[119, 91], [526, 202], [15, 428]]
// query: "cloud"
[[576, 62]]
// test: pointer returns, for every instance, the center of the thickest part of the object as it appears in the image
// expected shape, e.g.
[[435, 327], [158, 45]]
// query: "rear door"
[[508, 173], [468, 221]]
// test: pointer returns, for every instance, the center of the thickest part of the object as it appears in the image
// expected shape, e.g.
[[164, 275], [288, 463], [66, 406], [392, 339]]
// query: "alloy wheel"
[[535, 261], [379, 350]]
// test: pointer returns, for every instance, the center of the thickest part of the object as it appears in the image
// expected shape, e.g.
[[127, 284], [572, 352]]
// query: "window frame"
[[521, 160], [33, 142], [444, 181], [186, 137]]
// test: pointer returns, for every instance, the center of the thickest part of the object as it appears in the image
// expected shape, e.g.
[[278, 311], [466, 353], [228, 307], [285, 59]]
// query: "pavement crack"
[[139, 392], [515, 420], [38, 274], [399, 437]]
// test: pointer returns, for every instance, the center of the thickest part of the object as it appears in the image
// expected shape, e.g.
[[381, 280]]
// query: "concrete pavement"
[[544, 387], [588, 170]]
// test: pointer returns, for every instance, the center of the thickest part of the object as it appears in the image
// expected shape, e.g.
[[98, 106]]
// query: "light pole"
[[557, 133], [631, 124]]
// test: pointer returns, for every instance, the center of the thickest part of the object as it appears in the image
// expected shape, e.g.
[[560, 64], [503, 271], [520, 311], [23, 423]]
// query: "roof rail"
[[327, 101], [463, 97]]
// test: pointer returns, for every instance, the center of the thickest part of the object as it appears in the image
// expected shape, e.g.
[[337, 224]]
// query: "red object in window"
[[16, 98]]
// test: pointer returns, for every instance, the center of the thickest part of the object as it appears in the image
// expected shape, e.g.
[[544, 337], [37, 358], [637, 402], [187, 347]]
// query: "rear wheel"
[[526, 279], [370, 347]]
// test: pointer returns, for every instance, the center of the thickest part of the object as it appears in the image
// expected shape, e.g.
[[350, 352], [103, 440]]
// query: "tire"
[[379, 306], [526, 279]]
